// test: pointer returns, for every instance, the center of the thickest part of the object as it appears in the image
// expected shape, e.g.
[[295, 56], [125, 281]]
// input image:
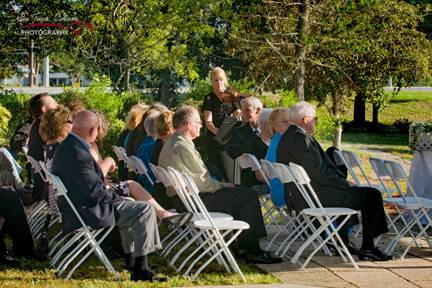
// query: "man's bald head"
[[85, 125]]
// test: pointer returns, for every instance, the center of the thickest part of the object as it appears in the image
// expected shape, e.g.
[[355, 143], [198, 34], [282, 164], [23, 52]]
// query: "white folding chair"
[[175, 237], [215, 234], [282, 213], [37, 213], [82, 240], [246, 161], [391, 198], [416, 208], [316, 213], [141, 169], [120, 153]]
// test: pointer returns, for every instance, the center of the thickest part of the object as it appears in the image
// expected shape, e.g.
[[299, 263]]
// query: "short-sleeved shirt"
[[220, 110]]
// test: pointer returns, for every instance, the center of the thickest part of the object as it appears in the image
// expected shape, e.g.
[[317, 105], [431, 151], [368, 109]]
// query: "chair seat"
[[221, 224], [330, 211], [213, 215], [410, 202]]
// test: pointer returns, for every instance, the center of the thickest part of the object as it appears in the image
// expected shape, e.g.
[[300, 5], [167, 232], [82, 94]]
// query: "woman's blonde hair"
[[274, 115], [218, 71], [135, 115], [163, 123], [53, 123]]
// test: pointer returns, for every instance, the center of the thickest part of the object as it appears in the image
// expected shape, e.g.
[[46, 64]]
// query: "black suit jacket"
[[243, 140], [83, 179], [36, 144], [328, 182]]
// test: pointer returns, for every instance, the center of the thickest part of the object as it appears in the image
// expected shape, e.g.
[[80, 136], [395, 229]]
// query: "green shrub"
[[17, 105], [326, 125], [5, 116], [288, 98]]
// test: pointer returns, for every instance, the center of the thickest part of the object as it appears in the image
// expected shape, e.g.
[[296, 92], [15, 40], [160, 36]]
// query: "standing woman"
[[215, 111]]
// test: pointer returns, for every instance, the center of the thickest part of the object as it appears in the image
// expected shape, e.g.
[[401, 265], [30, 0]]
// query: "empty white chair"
[[417, 207]]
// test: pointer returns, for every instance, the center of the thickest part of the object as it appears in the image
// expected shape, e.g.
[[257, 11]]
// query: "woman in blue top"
[[278, 122]]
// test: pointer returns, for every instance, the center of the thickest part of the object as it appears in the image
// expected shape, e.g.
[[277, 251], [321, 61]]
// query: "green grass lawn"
[[415, 106], [93, 274]]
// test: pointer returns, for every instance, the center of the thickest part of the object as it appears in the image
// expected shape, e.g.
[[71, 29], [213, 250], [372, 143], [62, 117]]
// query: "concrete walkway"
[[324, 271]]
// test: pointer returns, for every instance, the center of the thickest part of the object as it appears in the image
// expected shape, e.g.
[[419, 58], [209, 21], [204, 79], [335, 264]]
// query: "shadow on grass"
[[375, 139]]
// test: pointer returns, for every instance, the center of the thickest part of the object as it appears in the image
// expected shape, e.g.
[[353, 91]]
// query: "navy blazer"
[[244, 140], [84, 181], [328, 182]]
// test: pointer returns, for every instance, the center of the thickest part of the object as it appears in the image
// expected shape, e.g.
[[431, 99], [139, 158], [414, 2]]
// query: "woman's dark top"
[[136, 136], [157, 148], [122, 138], [220, 110]]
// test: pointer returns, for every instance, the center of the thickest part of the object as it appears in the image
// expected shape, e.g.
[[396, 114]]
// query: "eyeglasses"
[[198, 122], [69, 121]]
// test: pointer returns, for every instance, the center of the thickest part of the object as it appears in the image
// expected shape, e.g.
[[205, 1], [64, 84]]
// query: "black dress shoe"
[[177, 220], [373, 255], [9, 262], [147, 275], [265, 257]]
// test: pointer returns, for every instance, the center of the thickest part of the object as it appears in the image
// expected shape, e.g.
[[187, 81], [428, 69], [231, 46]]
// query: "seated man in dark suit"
[[298, 146], [179, 152], [100, 206], [247, 139]]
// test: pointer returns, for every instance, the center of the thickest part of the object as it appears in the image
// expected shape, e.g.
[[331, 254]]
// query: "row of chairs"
[[410, 209]]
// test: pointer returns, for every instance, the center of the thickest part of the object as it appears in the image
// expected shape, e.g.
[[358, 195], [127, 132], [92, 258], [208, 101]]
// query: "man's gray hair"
[[149, 124], [251, 101], [183, 116], [300, 110]]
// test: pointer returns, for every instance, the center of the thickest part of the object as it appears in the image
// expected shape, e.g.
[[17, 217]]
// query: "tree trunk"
[[375, 111], [126, 79], [337, 136], [360, 109], [301, 49], [165, 88]]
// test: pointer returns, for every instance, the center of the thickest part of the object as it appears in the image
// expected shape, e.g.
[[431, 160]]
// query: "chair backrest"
[[398, 176], [180, 186], [267, 168], [36, 167], [154, 171], [341, 160], [382, 173], [303, 181], [246, 161], [119, 153], [353, 162], [286, 175], [141, 169]]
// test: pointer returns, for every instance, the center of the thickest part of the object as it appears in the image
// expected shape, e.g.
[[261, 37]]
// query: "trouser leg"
[[243, 204], [16, 223], [138, 227], [369, 201]]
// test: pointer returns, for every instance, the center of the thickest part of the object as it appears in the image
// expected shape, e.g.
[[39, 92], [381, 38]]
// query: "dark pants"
[[15, 224], [369, 201], [242, 203]]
